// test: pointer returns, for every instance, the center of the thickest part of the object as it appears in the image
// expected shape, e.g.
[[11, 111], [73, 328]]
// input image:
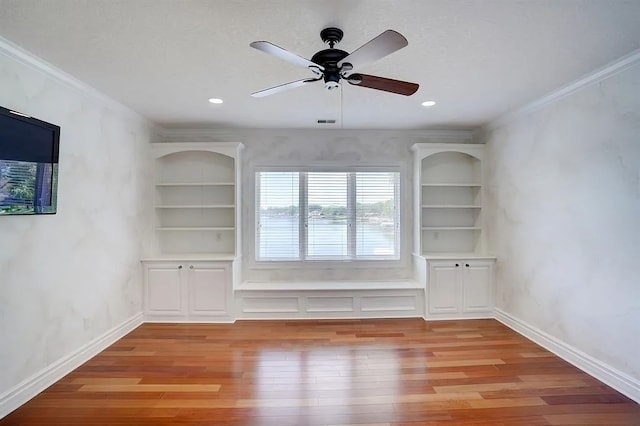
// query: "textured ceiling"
[[477, 59]]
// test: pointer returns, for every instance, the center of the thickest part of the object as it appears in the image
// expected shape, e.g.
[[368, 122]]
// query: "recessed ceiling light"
[[428, 103], [215, 100]]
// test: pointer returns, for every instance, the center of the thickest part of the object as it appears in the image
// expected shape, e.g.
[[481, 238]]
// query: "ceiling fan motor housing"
[[329, 59]]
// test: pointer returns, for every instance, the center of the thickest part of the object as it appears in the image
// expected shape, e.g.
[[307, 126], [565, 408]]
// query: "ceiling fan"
[[333, 65]]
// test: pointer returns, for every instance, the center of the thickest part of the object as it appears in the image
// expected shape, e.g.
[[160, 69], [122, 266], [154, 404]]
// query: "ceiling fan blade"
[[283, 87], [386, 84], [377, 48], [283, 54]]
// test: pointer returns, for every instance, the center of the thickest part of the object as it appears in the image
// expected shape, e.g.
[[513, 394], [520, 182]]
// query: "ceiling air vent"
[[326, 121]]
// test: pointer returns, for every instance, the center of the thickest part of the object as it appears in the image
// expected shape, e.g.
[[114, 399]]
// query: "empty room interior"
[[295, 212]]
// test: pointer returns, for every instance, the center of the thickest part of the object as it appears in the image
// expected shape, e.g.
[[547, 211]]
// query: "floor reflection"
[[332, 381]]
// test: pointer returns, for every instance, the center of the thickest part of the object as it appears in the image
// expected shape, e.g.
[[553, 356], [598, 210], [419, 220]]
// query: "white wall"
[[563, 209], [68, 278]]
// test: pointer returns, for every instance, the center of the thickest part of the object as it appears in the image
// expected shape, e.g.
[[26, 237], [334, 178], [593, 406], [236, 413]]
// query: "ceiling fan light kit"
[[334, 65]]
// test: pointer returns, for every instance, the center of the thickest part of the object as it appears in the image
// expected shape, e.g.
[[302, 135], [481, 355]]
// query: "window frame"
[[351, 261]]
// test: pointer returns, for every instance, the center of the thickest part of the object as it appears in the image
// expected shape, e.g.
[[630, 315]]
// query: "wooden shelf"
[[449, 206], [196, 228], [451, 228], [457, 256], [195, 184], [211, 206], [190, 257], [446, 185]]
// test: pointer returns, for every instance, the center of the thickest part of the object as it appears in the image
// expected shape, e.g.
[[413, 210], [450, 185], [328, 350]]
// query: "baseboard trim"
[[479, 316], [30, 387], [618, 380]]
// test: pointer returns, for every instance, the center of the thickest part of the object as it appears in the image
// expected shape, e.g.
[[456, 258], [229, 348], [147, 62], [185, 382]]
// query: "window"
[[337, 215]]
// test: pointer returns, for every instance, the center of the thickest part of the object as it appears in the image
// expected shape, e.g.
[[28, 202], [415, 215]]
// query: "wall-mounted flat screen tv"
[[28, 164]]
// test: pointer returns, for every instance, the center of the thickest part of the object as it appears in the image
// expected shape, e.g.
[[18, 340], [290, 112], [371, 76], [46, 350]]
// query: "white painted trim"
[[328, 286], [456, 317], [594, 77], [321, 303], [18, 54], [618, 380], [424, 150], [30, 387], [230, 149], [150, 319], [175, 134]]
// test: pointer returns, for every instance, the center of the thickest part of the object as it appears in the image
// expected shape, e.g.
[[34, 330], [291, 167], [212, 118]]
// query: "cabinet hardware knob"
[[457, 265], [467, 265], [191, 266], [179, 266]]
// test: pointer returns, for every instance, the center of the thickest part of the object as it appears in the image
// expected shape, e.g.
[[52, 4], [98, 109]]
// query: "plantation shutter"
[[278, 212], [327, 215], [377, 219]]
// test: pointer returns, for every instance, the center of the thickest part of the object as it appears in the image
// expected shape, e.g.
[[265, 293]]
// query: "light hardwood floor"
[[330, 372]]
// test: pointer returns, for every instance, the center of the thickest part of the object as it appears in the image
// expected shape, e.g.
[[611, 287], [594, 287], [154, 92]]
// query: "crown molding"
[[24, 57], [593, 77]]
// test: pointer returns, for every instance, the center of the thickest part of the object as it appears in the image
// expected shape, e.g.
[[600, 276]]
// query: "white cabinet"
[[188, 291], [443, 292], [477, 286], [208, 290], [460, 288], [163, 292]]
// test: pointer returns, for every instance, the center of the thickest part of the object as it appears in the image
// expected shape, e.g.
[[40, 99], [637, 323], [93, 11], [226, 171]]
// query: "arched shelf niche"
[[196, 198], [448, 200]]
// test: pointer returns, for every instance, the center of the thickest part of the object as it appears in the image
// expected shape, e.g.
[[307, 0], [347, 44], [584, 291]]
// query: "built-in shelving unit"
[[190, 274], [448, 198], [449, 250], [196, 194]]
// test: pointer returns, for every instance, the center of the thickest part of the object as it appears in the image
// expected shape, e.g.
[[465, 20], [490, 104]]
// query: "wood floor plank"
[[506, 402], [107, 380], [327, 372], [150, 388], [593, 419]]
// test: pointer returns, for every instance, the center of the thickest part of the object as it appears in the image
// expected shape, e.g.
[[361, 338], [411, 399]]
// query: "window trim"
[[363, 262]]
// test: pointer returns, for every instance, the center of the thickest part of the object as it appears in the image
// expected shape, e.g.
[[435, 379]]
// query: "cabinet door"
[[477, 284], [164, 294], [209, 289], [443, 288]]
